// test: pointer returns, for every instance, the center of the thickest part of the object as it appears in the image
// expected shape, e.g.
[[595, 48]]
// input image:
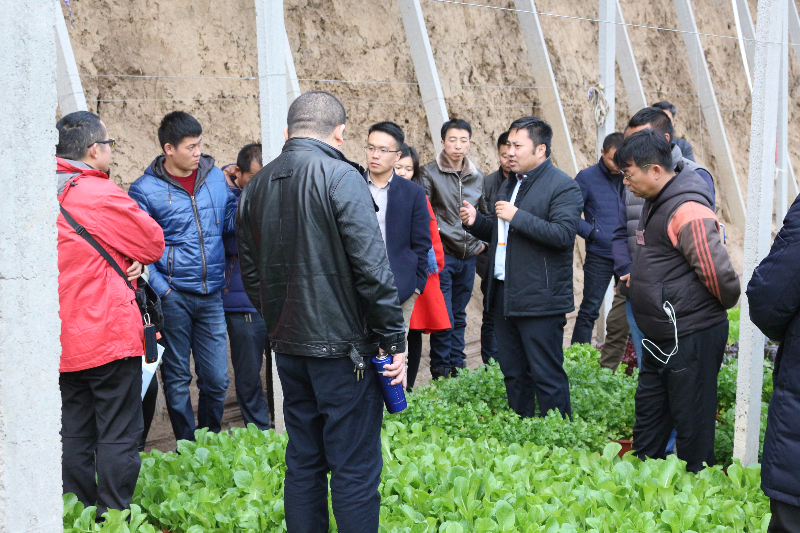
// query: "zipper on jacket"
[[460, 203], [171, 262], [202, 247]]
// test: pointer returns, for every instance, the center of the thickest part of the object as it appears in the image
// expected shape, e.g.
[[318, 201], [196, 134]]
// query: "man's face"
[[645, 181], [103, 154], [502, 154], [608, 160], [456, 144], [382, 152], [404, 167], [243, 177], [185, 156], [671, 117], [522, 154]]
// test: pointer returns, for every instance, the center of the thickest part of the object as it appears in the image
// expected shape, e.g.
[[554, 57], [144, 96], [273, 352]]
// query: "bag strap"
[[80, 230]]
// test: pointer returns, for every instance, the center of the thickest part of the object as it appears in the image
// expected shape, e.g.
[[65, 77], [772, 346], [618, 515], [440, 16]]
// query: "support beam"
[[726, 171], [273, 47], [746, 32], [552, 110], [292, 83], [68, 80], [628, 69], [758, 233], [30, 416], [271, 39], [424, 65], [783, 170]]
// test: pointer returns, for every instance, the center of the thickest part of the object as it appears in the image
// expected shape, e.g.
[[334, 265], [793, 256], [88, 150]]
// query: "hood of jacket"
[[66, 169], [157, 169]]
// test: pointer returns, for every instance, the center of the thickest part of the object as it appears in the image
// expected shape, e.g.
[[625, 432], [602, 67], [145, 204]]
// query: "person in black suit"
[[402, 212]]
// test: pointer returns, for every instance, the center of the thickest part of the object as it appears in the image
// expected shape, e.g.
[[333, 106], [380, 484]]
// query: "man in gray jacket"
[[448, 182]]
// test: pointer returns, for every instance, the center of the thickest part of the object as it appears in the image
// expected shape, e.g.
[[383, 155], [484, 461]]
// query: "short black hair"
[[666, 106], [456, 124], [248, 154], [502, 140], [613, 140], [656, 118], [390, 128], [408, 151], [177, 126], [315, 113], [538, 130], [646, 147], [76, 133]]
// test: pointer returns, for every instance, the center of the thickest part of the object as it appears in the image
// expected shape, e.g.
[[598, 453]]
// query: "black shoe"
[[440, 372], [454, 372]]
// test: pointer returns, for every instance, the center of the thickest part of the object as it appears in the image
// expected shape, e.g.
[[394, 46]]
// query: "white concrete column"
[[746, 32], [292, 83], [770, 32], [430, 88], [274, 91], [68, 81], [628, 69], [552, 110], [271, 39], [30, 402], [726, 171]]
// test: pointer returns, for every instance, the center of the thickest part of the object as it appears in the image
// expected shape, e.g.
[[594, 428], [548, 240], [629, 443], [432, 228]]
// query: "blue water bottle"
[[393, 395]]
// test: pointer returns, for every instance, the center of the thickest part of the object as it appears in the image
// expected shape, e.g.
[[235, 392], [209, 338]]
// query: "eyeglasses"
[[382, 151], [628, 176], [110, 142]]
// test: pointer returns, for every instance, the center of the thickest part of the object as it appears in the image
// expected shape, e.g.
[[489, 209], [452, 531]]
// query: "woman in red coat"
[[430, 312]]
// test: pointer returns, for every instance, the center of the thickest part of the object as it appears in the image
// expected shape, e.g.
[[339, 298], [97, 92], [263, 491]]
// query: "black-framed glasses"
[[381, 151], [110, 142]]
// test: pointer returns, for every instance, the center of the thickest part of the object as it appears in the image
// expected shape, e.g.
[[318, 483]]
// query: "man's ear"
[[668, 138], [286, 133], [169, 149], [92, 152]]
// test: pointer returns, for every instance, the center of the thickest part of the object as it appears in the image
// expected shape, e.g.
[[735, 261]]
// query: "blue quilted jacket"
[[193, 224]]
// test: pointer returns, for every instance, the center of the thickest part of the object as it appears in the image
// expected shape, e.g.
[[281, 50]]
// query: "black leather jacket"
[[312, 256]]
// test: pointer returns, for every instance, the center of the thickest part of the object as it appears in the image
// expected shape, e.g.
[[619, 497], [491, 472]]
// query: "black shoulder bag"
[[146, 298]]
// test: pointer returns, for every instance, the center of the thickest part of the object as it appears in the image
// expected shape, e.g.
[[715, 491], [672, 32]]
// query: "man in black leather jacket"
[[314, 263]]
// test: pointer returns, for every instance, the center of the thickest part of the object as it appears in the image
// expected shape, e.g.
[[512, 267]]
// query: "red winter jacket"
[[100, 321]]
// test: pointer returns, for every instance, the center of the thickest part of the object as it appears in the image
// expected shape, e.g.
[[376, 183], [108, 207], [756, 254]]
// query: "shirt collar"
[[369, 180]]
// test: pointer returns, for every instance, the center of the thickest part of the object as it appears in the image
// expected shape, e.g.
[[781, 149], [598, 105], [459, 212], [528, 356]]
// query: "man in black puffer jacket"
[[315, 266], [774, 297], [530, 275]]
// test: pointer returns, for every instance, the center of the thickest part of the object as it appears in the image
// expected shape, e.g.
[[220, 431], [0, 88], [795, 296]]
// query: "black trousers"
[[681, 394], [531, 357], [785, 517], [101, 424], [414, 350], [334, 424]]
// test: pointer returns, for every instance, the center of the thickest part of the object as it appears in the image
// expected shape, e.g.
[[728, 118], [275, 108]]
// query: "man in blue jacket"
[[603, 196], [774, 297], [402, 212], [188, 196], [246, 329]]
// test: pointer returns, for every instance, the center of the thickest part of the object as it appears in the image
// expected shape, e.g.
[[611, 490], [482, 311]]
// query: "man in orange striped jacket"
[[681, 283]]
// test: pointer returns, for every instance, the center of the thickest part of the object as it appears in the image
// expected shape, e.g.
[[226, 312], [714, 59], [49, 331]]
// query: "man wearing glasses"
[[402, 212], [100, 374]]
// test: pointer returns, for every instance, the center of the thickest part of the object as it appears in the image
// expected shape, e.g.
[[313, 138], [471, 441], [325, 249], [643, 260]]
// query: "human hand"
[[134, 271], [627, 279], [467, 214], [397, 369], [505, 210], [230, 174], [483, 247]]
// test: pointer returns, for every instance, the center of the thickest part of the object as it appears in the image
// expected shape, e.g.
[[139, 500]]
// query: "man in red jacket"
[[101, 326]]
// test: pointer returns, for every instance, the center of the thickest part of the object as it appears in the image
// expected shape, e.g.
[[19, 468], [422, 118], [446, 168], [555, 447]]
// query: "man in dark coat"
[[402, 212], [530, 286], [774, 297], [603, 196], [680, 285], [491, 188], [314, 264]]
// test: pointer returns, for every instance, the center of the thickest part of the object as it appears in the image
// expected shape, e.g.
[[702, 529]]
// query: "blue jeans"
[[597, 274], [637, 335], [334, 424], [456, 281], [194, 323], [249, 342]]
